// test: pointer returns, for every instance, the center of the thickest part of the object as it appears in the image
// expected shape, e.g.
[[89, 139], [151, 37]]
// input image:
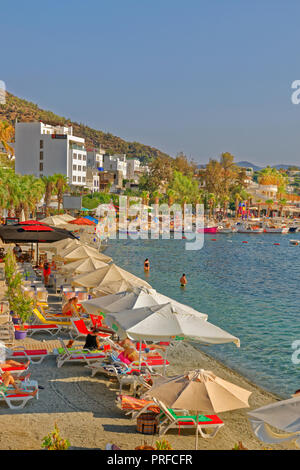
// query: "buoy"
[[276, 243], [213, 239], [244, 242]]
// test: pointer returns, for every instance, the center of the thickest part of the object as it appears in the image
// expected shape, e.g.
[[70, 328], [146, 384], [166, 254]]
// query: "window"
[[79, 168], [83, 157], [79, 156], [79, 179], [74, 167], [41, 166], [41, 144], [41, 155], [74, 178], [75, 155], [83, 179]]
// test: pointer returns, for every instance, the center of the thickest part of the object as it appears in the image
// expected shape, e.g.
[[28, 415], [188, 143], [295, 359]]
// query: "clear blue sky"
[[198, 76]]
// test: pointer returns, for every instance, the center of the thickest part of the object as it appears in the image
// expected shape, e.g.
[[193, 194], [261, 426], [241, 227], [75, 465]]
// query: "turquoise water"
[[251, 290]]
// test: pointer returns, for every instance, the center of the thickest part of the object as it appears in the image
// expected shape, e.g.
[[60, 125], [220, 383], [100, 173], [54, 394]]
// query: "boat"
[[274, 229], [208, 229], [248, 228], [226, 228], [295, 242]]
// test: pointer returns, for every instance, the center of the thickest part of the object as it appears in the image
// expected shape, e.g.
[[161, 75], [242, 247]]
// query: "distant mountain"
[[285, 167], [257, 168], [245, 164]]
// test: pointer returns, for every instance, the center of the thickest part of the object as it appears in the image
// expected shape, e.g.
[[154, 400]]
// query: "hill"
[[23, 110], [245, 164]]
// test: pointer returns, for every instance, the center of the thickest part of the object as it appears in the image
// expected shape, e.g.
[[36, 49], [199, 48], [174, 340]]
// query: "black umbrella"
[[33, 233]]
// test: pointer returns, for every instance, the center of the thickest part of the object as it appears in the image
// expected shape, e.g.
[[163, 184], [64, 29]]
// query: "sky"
[[200, 77]]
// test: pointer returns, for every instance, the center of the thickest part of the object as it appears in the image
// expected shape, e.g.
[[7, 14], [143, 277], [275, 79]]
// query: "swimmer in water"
[[183, 281], [146, 265]]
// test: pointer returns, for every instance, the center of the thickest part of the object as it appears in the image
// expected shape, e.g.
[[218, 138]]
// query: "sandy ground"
[[86, 413]]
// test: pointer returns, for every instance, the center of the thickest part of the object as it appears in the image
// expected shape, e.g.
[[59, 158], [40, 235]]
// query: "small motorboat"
[[295, 242], [276, 230], [248, 228]]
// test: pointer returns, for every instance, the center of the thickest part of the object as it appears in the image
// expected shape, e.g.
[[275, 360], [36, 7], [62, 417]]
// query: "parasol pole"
[[37, 254], [165, 361], [197, 433], [140, 353]]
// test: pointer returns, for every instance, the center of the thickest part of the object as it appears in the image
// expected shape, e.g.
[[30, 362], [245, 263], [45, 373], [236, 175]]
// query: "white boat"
[[294, 242], [226, 229], [276, 230], [248, 228]]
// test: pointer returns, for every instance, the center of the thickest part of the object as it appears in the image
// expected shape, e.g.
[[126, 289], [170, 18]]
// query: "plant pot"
[[15, 320], [20, 334], [144, 448]]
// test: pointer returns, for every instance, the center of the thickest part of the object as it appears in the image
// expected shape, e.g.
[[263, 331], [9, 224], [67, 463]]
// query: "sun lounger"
[[79, 330], [35, 356], [14, 370], [39, 316], [173, 418], [51, 328], [134, 406], [125, 374], [11, 398], [81, 355]]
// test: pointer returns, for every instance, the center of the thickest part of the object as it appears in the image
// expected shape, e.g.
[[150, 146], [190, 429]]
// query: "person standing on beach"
[[46, 273], [183, 281], [146, 265]]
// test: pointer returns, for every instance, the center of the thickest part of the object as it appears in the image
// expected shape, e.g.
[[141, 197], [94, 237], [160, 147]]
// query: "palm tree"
[[269, 203], [282, 203], [61, 185], [49, 182], [170, 194], [157, 195]]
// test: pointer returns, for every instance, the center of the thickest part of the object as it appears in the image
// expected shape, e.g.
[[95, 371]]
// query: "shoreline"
[[86, 413]]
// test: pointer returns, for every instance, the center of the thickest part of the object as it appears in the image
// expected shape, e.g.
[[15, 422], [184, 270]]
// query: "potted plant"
[[23, 307]]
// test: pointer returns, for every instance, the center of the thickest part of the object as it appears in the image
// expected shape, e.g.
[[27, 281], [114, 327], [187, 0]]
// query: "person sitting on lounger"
[[70, 308], [7, 380], [92, 340], [4, 362], [130, 353]]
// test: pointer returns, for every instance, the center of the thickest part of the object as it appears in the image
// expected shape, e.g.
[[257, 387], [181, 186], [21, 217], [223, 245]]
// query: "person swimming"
[[183, 281], [146, 265]]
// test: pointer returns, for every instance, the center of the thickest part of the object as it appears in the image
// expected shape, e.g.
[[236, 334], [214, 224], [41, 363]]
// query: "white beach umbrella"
[[167, 322], [60, 245], [283, 415], [53, 220], [83, 266], [136, 297], [109, 280], [82, 252], [66, 217]]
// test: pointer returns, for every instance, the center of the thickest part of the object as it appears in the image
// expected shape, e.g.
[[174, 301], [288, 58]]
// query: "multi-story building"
[[92, 179], [95, 157], [42, 150], [115, 163]]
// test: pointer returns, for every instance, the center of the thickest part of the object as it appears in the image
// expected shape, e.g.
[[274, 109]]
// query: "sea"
[[248, 284]]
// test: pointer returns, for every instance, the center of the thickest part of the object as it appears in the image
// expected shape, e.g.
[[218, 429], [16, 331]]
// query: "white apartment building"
[[95, 157], [133, 167], [42, 150], [92, 179], [115, 163]]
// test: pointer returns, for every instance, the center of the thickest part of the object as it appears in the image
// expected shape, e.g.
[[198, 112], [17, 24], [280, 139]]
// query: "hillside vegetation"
[[23, 110]]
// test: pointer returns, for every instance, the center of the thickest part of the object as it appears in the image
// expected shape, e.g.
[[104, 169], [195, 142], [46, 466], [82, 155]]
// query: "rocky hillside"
[[22, 110]]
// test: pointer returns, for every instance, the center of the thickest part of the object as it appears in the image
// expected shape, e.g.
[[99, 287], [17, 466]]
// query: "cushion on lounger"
[[31, 352]]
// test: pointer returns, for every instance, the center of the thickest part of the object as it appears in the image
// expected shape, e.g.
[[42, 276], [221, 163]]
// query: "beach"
[[85, 410]]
